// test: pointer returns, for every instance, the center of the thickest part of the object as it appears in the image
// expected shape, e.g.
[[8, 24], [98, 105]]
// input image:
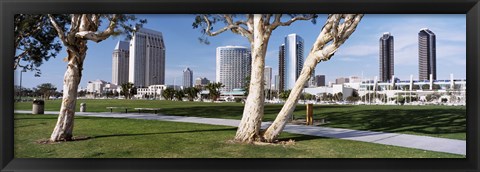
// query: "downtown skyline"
[[359, 54]]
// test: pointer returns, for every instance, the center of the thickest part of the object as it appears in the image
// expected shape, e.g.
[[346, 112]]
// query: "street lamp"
[[20, 96]]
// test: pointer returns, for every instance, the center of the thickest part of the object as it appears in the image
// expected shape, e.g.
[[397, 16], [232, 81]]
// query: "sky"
[[358, 56]]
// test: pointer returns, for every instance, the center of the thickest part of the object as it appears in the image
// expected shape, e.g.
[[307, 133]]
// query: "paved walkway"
[[403, 140]]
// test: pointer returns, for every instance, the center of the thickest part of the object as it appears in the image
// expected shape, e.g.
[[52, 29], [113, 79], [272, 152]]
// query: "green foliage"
[[35, 40], [192, 93], [46, 89], [179, 95], [214, 90], [168, 93], [285, 94], [128, 90]]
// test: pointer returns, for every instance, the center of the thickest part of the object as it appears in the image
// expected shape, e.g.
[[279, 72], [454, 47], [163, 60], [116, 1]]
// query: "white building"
[[147, 58], [96, 86], [120, 62], [268, 77], [232, 66]]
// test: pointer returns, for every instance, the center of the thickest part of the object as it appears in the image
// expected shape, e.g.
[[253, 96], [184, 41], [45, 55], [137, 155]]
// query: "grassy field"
[[131, 138], [436, 121]]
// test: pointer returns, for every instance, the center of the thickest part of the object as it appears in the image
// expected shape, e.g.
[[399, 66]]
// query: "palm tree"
[[179, 95], [192, 93], [214, 90], [127, 90], [168, 93]]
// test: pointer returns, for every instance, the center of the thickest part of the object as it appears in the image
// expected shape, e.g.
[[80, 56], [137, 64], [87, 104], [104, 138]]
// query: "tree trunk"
[[249, 128], [274, 130], [64, 128]]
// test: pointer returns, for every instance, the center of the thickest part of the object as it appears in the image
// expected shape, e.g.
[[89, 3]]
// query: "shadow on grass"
[[160, 133], [426, 121]]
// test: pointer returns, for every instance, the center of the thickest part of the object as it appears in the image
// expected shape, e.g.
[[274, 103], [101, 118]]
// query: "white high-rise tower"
[[120, 62], [147, 58], [233, 66]]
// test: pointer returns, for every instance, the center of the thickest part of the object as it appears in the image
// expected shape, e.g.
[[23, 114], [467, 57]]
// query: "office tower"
[[233, 66], [293, 60], [312, 82], [281, 68], [120, 63], [342, 80], [187, 78], [277, 82], [147, 58], [320, 80], [268, 77], [201, 81], [427, 62], [386, 57]]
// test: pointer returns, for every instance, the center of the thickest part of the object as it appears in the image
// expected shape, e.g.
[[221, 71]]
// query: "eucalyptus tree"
[[35, 40], [336, 30], [257, 28], [82, 28]]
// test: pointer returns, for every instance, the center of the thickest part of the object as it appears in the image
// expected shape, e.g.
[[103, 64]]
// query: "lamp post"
[[20, 95]]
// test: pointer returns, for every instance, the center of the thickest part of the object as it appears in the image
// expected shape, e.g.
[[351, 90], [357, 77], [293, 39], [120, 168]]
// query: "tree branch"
[[60, 32], [97, 37], [207, 29], [278, 22]]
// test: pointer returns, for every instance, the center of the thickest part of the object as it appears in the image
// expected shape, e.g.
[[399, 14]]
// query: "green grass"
[[132, 138], [435, 121]]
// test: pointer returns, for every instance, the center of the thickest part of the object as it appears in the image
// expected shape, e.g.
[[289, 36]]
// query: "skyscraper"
[[427, 62], [120, 63], [386, 57], [320, 80], [293, 56], [233, 66], [147, 58], [187, 78], [268, 77], [281, 68]]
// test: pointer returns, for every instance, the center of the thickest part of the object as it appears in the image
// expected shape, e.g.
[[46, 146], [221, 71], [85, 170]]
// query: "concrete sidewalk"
[[403, 140]]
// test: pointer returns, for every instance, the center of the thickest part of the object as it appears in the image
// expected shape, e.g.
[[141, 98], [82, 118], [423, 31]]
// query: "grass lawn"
[[132, 138], [436, 121]]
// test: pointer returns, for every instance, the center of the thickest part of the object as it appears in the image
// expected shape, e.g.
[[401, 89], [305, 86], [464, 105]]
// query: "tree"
[[82, 93], [354, 97], [126, 90], [35, 40], [179, 95], [214, 90], [168, 93], [83, 27], [334, 33], [46, 89], [246, 85], [192, 93], [425, 87], [284, 94], [257, 28]]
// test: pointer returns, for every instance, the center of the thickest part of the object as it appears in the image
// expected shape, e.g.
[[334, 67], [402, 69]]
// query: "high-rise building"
[[281, 68], [277, 82], [427, 62], [386, 57], [201, 81], [187, 78], [320, 79], [233, 66], [120, 63], [312, 82], [342, 80], [293, 60], [147, 58], [268, 77]]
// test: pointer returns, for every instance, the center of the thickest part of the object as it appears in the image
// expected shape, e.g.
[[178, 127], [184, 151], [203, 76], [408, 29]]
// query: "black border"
[[10, 7]]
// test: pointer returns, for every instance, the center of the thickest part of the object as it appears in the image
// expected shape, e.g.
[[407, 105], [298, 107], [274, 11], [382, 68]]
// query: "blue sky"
[[359, 54]]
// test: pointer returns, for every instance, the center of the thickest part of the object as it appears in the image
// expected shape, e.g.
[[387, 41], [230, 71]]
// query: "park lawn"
[[133, 138], [435, 121]]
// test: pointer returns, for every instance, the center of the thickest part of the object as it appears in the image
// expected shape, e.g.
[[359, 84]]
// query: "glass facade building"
[[386, 60], [427, 62], [294, 47], [233, 64]]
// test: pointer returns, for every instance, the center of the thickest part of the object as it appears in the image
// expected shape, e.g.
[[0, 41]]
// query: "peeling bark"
[[333, 32], [249, 128]]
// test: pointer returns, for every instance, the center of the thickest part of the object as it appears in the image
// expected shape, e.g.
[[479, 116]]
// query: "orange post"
[[309, 118]]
